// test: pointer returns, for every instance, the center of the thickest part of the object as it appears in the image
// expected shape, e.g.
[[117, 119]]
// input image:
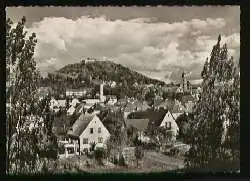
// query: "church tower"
[[183, 81]]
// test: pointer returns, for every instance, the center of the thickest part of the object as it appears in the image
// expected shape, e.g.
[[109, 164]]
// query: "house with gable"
[[88, 131], [162, 118], [169, 122], [74, 102], [54, 105], [62, 103]]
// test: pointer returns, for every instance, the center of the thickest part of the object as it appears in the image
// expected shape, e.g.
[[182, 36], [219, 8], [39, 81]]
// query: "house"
[[54, 106], [74, 102], [80, 108], [62, 103], [156, 119], [76, 92], [179, 90], [141, 125], [95, 109], [88, 103], [111, 99], [88, 131], [169, 122]]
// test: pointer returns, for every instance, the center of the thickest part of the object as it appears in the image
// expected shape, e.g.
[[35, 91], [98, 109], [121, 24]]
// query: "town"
[[139, 92], [84, 124]]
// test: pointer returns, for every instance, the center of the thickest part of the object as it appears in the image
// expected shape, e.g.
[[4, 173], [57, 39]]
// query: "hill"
[[90, 73]]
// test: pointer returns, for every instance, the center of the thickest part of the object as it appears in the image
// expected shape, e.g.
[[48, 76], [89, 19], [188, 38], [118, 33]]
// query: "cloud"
[[154, 48]]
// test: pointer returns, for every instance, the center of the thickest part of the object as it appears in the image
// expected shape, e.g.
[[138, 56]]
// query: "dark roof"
[[155, 117], [80, 106], [139, 124], [80, 124]]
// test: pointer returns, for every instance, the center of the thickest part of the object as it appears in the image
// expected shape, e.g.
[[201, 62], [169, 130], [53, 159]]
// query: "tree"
[[138, 154], [214, 146], [160, 136], [115, 123], [149, 97], [99, 155], [22, 81], [67, 106]]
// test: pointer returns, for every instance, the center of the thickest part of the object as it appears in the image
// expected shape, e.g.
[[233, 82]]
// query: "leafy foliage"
[[24, 145], [215, 146], [115, 123], [138, 154], [100, 154]]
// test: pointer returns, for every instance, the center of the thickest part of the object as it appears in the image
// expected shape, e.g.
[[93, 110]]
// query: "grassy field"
[[152, 162]]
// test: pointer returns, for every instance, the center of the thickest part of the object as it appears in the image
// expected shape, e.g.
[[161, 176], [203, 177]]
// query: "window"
[[99, 130], [85, 141], [100, 140], [91, 130], [169, 125]]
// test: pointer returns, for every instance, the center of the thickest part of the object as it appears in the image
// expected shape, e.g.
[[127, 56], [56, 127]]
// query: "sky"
[[159, 42]]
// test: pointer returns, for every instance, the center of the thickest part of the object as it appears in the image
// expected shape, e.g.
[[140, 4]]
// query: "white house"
[[74, 102], [111, 100], [76, 92], [179, 90], [54, 105], [89, 130], [169, 122]]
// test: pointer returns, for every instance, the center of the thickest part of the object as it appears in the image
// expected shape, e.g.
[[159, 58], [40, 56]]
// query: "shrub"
[[99, 154]]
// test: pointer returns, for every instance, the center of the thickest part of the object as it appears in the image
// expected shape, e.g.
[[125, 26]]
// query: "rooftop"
[[139, 124], [80, 125]]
